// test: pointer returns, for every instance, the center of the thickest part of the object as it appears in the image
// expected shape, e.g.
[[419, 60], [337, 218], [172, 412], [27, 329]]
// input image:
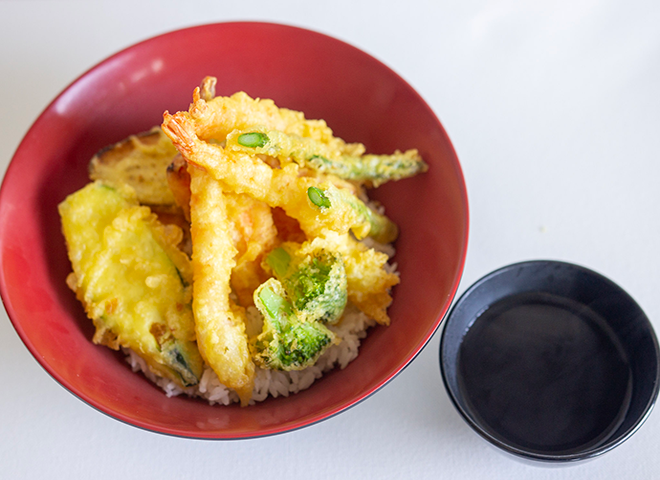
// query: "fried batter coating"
[[369, 282], [219, 324], [178, 181], [216, 118], [251, 226], [371, 170], [254, 234], [282, 187]]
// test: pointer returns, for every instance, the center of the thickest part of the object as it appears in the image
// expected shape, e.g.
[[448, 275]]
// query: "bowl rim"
[[291, 426], [502, 444]]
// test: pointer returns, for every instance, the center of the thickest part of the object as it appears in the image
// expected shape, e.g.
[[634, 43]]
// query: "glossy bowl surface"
[[550, 361], [359, 97]]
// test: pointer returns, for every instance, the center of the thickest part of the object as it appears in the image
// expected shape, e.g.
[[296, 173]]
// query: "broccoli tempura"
[[313, 279], [287, 342]]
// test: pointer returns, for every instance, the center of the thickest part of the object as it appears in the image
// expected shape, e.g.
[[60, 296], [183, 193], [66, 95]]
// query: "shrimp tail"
[[181, 132]]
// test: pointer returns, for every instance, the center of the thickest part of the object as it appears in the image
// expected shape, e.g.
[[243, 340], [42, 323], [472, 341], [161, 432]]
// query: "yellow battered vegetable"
[[368, 280], [140, 161], [132, 280], [220, 325]]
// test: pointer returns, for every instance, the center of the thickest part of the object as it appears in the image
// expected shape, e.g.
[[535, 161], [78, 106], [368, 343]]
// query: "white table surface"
[[554, 110]]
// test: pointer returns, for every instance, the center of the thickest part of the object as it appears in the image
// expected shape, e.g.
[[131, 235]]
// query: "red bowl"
[[360, 98]]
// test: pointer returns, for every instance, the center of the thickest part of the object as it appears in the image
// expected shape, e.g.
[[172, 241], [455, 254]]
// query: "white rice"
[[351, 329]]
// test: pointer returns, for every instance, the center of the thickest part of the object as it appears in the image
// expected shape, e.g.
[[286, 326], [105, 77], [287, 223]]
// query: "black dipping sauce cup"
[[550, 361]]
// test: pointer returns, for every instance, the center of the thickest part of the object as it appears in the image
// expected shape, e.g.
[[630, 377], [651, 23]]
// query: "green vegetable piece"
[[350, 165], [286, 342], [316, 285], [381, 228], [184, 359], [318, 197], [279, 260], [273, 303], [253, 139], [376, 169]]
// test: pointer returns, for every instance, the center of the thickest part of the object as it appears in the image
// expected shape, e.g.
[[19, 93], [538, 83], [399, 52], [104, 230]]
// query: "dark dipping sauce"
[[545, 373]]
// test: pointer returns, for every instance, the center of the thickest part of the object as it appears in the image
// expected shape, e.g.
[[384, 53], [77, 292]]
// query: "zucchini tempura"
[[132, 280], [219, 324]]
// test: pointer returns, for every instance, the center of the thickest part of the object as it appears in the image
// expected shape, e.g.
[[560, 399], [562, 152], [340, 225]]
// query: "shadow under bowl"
[[550, 361]]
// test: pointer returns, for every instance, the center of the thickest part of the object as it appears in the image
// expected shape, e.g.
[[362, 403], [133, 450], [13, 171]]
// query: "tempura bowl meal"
[[205, 237]]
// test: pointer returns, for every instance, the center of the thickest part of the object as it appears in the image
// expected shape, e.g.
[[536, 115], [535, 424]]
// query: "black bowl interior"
[[550, 361]]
